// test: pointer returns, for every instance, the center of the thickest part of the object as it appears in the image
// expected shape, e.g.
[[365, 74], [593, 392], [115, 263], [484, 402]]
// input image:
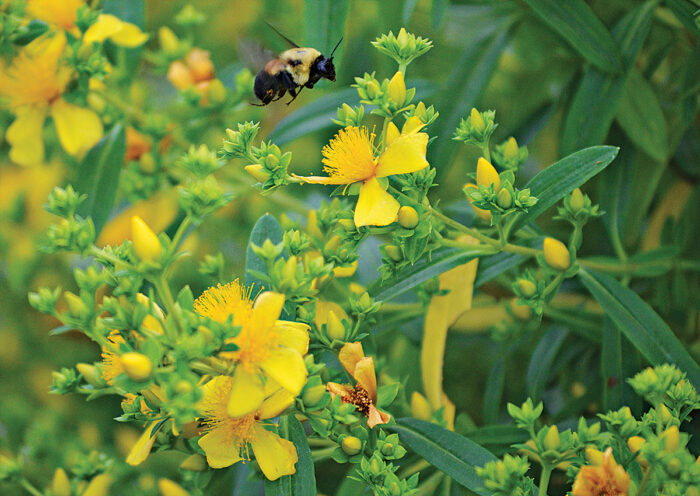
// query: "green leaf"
[[408, 7], [266, 227], [441, 261], [440, 8], [640, 115], [451, 453], [324, 24], [303, 481], [577, 24], [467, 82], [319, 114], [559, 179], [611, 367], [498, 436], [493, 391], [542, 359], [98, 176], [597, 98], [640, 324]]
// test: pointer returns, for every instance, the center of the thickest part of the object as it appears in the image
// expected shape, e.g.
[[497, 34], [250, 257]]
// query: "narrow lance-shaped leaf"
[[597, 98], [99, 176], [303, 481], [640, 324], [542, 359], [578, 25], [561, 178], [451, 453]]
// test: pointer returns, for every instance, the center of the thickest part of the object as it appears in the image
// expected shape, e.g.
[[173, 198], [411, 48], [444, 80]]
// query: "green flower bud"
[[334, 327], [311, 396], [394, 252], [504, 199], [576, 200], [477, 121], [408, 217], [351, 445], [91, 375], [551, 440], [76, 305], [526, 287]]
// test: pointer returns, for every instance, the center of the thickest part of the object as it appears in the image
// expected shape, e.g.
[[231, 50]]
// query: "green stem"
[[402, 68], [322, 454], [387, 120], [29, 487], [486, 152], [165, 295], [544, 480]]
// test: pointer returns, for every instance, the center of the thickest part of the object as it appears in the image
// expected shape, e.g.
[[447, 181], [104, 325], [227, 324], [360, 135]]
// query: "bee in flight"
[[292, 71]]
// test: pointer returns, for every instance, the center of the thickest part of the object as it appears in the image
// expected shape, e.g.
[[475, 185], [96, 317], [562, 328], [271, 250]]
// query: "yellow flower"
[[227, 438], [349, 158], [32, 87], [117, 31], [111, 364], [604, 479], [62, 14], [269, 350], [146, 244], [364, 394]]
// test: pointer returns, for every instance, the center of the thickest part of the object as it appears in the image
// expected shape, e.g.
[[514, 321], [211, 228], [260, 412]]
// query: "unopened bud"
[[351, 445], [60, 486], [168, 41], [99, 485], [477, 121], [594, 456], [289, 271], [137, 366], [556, 254], [402, 38], [408, 217], [486, 174], [388, 449], [170, 488], [673, 467], [146, 244], [510, 151], [195, 463], [420, 408], [258, 172], [90, 374], [635, 443], [526, 287], [665, 413], [373, 90], [334, 327], [332, 245], [576, 200], [504, 199], [76, 305], [552, 440], [394, 252], [522, 312], [397, 89], [311, 396], [671, 438]]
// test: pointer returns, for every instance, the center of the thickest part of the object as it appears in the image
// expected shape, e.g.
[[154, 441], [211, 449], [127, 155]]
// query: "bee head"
[[326, 68]]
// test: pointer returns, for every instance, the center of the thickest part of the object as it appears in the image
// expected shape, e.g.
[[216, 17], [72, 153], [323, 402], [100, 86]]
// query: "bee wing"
[[253, 54]]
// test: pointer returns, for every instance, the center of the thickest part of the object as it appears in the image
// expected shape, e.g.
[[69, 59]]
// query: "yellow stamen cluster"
[[349, 157]]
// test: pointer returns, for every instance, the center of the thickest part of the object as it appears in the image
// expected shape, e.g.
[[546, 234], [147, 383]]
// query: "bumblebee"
[[292, 71]]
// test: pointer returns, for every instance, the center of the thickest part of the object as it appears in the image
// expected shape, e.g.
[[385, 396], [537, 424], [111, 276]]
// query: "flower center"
[[361, 399], [350, 155]]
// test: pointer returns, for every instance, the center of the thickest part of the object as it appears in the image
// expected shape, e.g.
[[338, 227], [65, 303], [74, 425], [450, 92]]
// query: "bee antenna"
[[336, 47]]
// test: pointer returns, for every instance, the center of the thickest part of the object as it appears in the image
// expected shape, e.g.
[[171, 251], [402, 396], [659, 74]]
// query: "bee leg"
[[294, 94]]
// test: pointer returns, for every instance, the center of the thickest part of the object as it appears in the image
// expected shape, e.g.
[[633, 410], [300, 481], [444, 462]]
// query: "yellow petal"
[[321, 179], [338, 389], [322, 309], [219, 450], [286, 366], [25, 136], [412, 125], [349, 355], [375, 207], [129, 36], [405, 154], [140, 451], [442, 312], [276, 404], [293, 335], [376, 417], [276, 456], [247, 393], [267, 309], [392, 132], [366, 377], [106, 25], [79, 129]]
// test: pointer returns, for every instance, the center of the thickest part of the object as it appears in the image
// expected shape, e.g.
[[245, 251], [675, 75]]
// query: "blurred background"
[[502, 55]]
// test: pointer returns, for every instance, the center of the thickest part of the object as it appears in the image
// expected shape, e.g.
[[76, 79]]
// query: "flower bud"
[[146, 244], [388, 449], [194, 463], [346, 271], [289, 271], [671, 438], [674, 466], [408, 217], [170, 488], [522, 312], [351, 445], [552, 440], [483, 214], [99, 486], [347, 224], [526, 287], [217, 92], [665, 412], [137, 366], [556, 254], [258, 172], [311, 396], [594, 456], [155, 395], [420, 112], [332, 245], [334, 327], [510, 151], [90, 374], [402, 39], [477, 121], [147, 163], [486, 174], [60, 486], [76, 305], [168, 40], [420, 408], [504, 199], [635, 443], [397, 89], [394, 252], [576, 200], [373, 90]]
